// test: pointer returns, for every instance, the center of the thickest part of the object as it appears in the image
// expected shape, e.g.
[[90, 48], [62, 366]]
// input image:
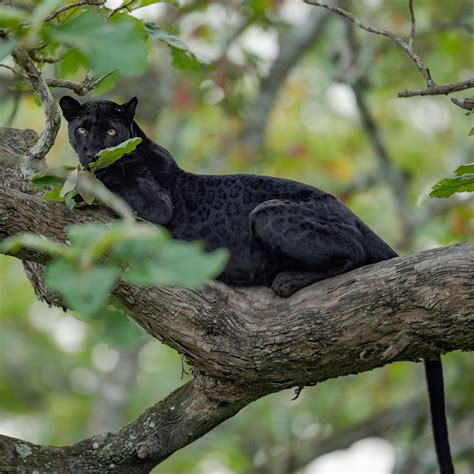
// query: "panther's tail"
[[434, 379]]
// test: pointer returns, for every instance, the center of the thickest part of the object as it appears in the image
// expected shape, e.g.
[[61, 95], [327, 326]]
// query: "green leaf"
[[471, 132], [117, 44], [83, 235], [118, 330], [85, 291], [111, 155], [448, 186], [176, 263], [183, 57], [43, 179], [465, 169], [54, 194], [6, 47]]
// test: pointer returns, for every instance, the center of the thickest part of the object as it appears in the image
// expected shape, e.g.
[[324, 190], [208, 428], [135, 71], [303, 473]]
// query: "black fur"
[[280, 233]]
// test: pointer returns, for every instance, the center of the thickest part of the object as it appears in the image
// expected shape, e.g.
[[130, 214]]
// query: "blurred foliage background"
[[293, 92]]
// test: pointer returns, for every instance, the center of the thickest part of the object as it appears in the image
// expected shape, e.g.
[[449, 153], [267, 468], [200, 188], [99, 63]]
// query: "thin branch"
[[442, 89], [379, 31], [13, 70], [413, 24], [96, 3], [52, 117], [467, 103], [121, 7], [80, 88]]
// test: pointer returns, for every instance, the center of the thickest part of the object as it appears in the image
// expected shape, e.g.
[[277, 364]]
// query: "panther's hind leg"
[[306, 248], [288, 282]]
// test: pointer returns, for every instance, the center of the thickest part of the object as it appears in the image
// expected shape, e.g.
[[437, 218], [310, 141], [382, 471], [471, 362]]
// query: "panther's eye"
[[111, 132], [81, 131]]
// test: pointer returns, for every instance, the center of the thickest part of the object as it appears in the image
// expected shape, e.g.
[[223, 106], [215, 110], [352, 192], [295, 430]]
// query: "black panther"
[[279, 233]]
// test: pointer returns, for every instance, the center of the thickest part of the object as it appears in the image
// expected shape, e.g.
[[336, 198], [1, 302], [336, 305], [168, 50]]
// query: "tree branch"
[[79, 3], [441, 89], [53, 119], [413, 24], [268, 343], [245, 343], [432, 88], [80, 88], [182, 417], [379, 31]]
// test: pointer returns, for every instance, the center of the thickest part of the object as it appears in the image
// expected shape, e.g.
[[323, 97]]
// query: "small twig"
[[122, 7], [12, 70], [441, 89], [413, 23], [467, 103], [80, 88], [96, 3], [379, 31]]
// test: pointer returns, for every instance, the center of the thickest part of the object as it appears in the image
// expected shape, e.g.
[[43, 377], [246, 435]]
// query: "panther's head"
[[96, 125]]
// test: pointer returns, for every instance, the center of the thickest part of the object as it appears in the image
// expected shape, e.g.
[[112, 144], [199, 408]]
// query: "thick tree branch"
[[402, 309], [182, 417], [245, 343]]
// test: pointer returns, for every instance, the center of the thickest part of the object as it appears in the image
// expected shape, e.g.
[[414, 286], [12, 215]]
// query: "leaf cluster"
[[66, 180], [463, 181], [85, 271], [95, 39]]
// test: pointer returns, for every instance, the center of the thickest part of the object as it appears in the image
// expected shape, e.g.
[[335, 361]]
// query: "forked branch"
[[431, 87]]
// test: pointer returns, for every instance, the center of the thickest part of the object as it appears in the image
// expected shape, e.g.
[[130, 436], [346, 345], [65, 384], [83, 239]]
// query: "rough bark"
[[245, 343], [401, 309], [182, 417]]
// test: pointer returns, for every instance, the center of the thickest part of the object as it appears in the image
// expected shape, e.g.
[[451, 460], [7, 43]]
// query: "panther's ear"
[[128, 109], [71, 107]]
